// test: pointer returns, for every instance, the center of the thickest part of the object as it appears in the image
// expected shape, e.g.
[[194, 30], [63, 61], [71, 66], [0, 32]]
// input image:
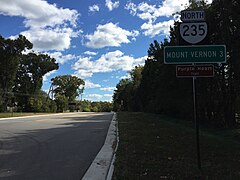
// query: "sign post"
[[196, 124], [193, 31]]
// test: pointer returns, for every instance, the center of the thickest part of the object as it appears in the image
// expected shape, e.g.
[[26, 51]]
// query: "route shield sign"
[[193, 33], [195, 54]]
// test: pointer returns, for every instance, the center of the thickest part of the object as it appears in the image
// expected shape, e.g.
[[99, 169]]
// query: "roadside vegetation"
[[158, 147], [155, 88], [17, 114], [21, 76], [77, 106], [155, 146], [21, 79]]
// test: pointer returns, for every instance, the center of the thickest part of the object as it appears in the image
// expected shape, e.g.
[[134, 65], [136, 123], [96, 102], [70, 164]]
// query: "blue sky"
[[97, 40]]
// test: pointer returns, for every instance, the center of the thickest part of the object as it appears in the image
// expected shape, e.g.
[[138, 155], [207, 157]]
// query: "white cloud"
[[89, 84], [107, 95], [94, 8], [49, 27], [45, 77], [150, 13], [207, 1], [49, 39], [111, 61], [81, 73], [91, 53], [132, 8], [38, 13], [147, 11], [107, 89], [94, 96], [112, 5], [99, 97], [158, 28], [60, 58], [127, 76], [109, 35]]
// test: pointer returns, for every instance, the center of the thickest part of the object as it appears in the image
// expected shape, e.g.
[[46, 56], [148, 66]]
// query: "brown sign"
[[195, 71]]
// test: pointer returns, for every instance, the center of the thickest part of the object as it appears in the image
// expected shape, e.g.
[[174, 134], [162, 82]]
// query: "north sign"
[[190, 16], [193, 33], [195, 71], [195, 54]]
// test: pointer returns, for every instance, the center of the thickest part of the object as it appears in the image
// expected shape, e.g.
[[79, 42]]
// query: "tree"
[[68, 86], [84, 106], [29, 76], [96, 106], [218, 96], [106, 106], [125, 95], [61, 102], [160, 91], [10, 54], [227, 18], [87, 106], [121, 96]]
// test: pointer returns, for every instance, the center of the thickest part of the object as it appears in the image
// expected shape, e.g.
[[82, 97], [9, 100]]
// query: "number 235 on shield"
[[193, 32]]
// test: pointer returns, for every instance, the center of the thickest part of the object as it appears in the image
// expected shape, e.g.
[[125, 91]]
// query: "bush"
[[86, 109]]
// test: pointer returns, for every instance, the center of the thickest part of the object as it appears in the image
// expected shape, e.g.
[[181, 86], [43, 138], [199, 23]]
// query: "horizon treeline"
[[21, 80]]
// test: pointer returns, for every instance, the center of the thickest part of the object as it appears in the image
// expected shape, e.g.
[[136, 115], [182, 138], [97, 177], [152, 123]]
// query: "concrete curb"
[[101, 168], [111, 169]]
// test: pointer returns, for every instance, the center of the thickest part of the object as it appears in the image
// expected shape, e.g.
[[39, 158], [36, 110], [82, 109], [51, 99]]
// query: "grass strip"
[[157, 147], [17, 114]]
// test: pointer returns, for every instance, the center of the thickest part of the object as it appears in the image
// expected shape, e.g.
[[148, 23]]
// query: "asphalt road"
[[52, 147]]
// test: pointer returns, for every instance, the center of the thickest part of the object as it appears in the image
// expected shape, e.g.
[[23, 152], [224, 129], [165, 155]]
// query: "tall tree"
[[219, 95], [125, 95], [68, 86], [29, 76], [120, 96], [10, 54]]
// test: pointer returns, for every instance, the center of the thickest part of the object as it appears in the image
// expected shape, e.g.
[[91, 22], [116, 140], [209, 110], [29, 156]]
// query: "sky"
[[99, 41]]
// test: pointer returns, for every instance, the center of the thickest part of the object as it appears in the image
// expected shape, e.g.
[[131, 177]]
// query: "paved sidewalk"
[[102, 166]]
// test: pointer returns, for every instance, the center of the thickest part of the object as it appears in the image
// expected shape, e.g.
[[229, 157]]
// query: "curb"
[[102, 166], [111, 169]]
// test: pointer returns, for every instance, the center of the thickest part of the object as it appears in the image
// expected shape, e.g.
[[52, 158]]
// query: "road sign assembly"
[[193, 31]]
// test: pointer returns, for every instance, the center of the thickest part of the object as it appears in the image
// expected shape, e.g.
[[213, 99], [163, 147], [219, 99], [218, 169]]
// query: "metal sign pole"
[[196, 124]]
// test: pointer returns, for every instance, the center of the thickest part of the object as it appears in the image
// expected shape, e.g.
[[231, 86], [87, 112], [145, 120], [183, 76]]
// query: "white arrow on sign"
[[193, 32]]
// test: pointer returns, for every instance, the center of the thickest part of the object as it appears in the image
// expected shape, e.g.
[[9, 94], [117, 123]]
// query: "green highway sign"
[[195, 54]]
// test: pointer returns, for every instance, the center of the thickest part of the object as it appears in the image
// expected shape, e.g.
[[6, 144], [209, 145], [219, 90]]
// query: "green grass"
[[157, 147], [17, 114]]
